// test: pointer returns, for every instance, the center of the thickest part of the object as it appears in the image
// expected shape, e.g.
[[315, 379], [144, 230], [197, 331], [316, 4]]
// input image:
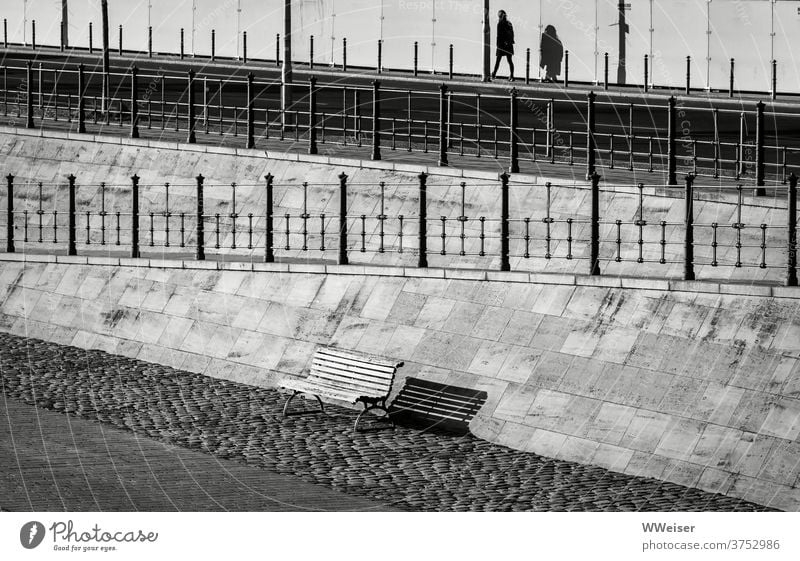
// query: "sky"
[[710, 31]]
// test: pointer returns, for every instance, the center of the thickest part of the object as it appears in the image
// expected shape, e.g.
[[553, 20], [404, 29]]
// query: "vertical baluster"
[[234, 216], [548, 221], [199, 221], [118, 227], [343, 219], [152, 230], [183, 230], [216, 230], [618, 258], [640, 222], [269, 255], [423, 220], [10, 212], [286, 217], [482, 236], [594, 240], [40, 212], [304, 216], [249, 230], [322, 231], [504, 225], [688, 243], [382, 217], [167, 215], [88, 228], [400, 234], [791, 208], [663, 242], [443, 235], [363, 233], [714, 244], [569, 238], [462, 218], [71, 233], [527, 237], [738, 226], [763, 264]]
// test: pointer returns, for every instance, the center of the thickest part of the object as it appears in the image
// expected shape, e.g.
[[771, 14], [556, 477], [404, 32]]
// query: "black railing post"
[[774, 79], [566, 69], [71, 229], [646, 71], [505, 264], [344, 54], [343, 219], [416, 57], [269, 254], [10, 214], [423, 220], [311, 52], [277, 49], [191, 138], [760, 191], [312, 115], [29, 94], [213, 45], [791, 272], [672, 163], [379, 67], [251, 128], [514, 132], [134, 103], [730, 87], [61, 42], [605, 71], [688, 74], [5, 33], [200, 254], [376, 120], [244, 47], [688, 245], [528, 66], [91, 45], [443, 125], [150, 41], [119, 50], [591, 154], [450, 73], [81, 100], [33, 34], [182, 49], [134, 216], [594, 238]]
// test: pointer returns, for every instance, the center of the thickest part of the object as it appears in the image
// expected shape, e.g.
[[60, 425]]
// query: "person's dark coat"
[[552, 52], [505, 38]]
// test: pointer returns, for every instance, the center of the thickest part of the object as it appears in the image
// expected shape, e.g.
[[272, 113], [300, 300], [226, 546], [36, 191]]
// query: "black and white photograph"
[[300, 271]]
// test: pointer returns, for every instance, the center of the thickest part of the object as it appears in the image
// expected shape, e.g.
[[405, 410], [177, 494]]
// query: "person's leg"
[[496, 65], [511, 66]]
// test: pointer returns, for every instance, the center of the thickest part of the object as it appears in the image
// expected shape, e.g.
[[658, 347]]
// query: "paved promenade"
[[86, 430]]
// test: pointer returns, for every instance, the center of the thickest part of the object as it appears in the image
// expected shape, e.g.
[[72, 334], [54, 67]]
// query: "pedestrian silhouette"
[[551, 52], [505, 44]]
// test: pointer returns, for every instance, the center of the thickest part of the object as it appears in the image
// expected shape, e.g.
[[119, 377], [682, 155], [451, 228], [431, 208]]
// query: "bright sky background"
[[739, 29]]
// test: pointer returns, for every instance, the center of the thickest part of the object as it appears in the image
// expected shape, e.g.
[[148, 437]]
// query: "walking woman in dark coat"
[[551, 52], [505, 44]]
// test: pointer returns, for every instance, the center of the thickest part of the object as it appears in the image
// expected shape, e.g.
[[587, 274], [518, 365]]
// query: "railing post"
[[672, 164], [416, 57], [119, 50], [71, 250], [251, 128], [423, 220], [344, 54], [33, 34], [376, 120], [244, 47], [590, 140], [688, 245], [269, 255], [10, 214], [450, 73], [134, 103], [646, 71], [150, 41], [134, 216], [774, 79], [91, 45], [605, 71], [760, 191], [791, 272], [61, 42], [594, 238], [379, 67], [200, 254], [343, 219], [505, 264], [688, 74], [191, 139], [513, 132], [277, 49], [312, 115], [29, 95], [311, 52], [5, 33], [213, 45], [81, 100], [566, 69], [181, 43], [528, 65], [730, 87], [443, 125]]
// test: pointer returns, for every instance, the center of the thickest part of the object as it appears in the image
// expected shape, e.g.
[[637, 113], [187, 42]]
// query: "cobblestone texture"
[[409, 469]]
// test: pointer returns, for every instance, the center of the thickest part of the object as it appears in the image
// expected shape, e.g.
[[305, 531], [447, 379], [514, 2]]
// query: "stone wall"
[[695, 383]]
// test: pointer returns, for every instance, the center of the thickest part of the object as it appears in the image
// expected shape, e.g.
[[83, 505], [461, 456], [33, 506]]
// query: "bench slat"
[[375, 361], [345, 382], [326, 391], [348, 363], [343, 386], [325, 370]]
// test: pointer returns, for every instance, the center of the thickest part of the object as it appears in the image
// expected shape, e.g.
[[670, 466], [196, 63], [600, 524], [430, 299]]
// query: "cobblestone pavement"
[[405, 468]]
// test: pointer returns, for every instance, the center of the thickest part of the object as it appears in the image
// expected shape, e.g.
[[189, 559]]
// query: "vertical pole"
[[244, 47], [376, 120], [505, 265], [344, 54], [605, 71], [182, 50], [277, 49], [416, 58], [688, 74], [134, 103], [269, 255], [33, 34], [150, 41], [10, 214], [379, 67], [672, 165], [200, 254], [91, 45], [286, 69], [594, 238], [688, 245], [29, 96], [62, 36], [71, 250], [213, 45], [451, 62], [566, 69], [312, 115], [791, 273], [5, 33], [251, 128], [191, 139], [774, 79], [730, 87], [81, 101], [343, 219], [443, 125], [119, 50], [65, 25], [591, 153], [487, 43], [646, 72], [311, 52], [134, 216], [760, 191], [528, 66], [423, 220], [513, 133]]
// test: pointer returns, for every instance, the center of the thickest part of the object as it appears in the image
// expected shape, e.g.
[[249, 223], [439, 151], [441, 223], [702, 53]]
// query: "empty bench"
[[346, 376]]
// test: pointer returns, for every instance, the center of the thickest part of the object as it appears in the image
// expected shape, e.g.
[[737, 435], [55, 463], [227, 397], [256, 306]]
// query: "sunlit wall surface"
[[753, 32]]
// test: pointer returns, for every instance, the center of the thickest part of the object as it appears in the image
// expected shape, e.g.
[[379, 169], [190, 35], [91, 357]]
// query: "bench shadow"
[[435, 407]]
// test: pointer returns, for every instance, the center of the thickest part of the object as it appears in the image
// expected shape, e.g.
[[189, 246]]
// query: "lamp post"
[[487, 42]]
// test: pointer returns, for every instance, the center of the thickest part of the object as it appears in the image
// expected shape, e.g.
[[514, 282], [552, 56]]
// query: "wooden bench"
[[430, 405], [346, 376]]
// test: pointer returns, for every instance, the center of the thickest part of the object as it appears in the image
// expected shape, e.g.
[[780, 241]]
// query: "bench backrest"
[[367, 375], [432, 405]]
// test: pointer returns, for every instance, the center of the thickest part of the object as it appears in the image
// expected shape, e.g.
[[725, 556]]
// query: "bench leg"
[[291, 397], [370, 407]]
